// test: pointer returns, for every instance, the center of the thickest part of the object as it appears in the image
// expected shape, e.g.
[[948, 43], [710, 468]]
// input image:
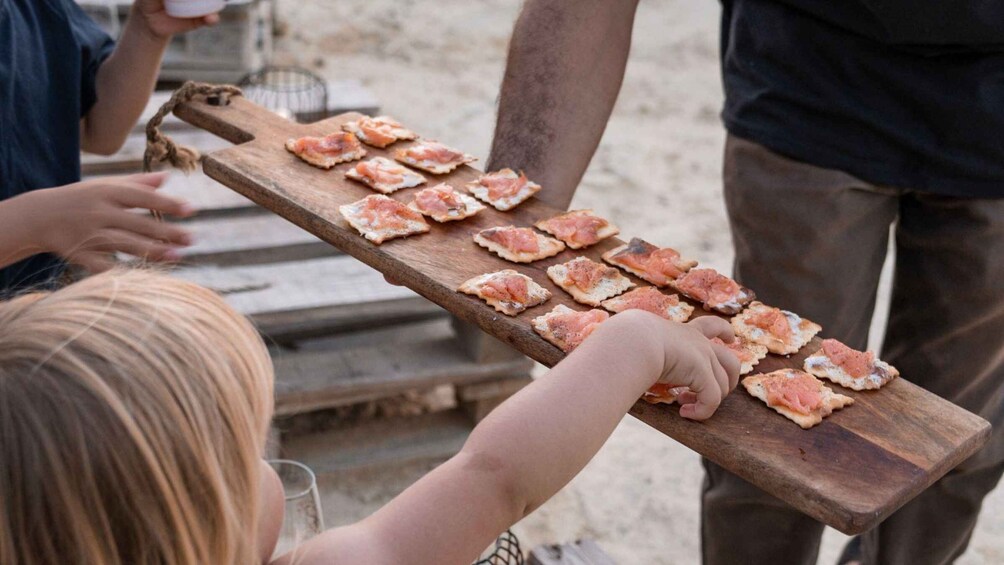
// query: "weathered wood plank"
[[819, 471], [314, 380], [381, 442], [301, 299]]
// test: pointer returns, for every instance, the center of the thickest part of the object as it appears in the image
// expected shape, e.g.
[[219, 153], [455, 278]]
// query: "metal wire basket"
[[293, 92], [507, 551]]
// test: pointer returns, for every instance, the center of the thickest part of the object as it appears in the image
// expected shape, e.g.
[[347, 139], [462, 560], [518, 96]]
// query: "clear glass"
[[303, 518]]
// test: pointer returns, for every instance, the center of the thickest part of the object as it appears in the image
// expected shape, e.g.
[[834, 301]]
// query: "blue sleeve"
[[94, 45]]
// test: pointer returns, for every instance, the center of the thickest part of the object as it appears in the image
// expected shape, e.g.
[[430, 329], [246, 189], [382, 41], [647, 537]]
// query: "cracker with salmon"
[[519, 245], [380, 218], [384, 176], [433, 157], [566, 328], [713, 290], [749, 354], [856, 370], [648, 262], [444, 203], [578, 228], [650, 299], [504, 190], [796, 395], [781, 331], [380, 131], [328, 151], [587, 281], [507, 291], [663, 393]]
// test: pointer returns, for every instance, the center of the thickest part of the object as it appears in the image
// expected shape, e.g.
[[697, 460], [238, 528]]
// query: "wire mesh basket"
[[295, 93], [507, 551]]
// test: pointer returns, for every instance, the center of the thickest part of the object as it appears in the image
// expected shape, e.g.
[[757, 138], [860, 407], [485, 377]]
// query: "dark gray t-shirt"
[[905, 93]]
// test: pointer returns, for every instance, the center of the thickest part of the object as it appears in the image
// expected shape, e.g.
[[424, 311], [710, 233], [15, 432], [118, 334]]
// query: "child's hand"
[[152, 14], [87, 222], [709, 370]]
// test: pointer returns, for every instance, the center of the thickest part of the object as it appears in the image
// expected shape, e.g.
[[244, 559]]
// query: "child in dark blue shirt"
[[66, 86]]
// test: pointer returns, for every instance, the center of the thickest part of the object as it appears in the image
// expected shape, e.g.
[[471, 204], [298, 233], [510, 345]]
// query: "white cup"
[[193, 8]]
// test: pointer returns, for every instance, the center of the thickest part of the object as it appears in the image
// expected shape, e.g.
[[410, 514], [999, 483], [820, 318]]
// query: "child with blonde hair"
[[134, 410]]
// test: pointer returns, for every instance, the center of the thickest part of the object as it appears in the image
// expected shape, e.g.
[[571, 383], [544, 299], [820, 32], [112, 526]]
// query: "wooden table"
[[849, 472]]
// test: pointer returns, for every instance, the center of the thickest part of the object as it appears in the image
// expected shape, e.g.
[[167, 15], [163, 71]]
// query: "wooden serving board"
[[849, 472]]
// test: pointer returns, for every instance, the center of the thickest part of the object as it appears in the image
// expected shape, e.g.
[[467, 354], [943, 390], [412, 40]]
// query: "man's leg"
[[946, 334], [813, 241]]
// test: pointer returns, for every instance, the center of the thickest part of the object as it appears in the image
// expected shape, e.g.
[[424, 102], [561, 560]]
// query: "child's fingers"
[[151, 180], [721, 377], [708, 400], [729, 362], [713, 326], [110, 240], [148, 227], [94, 261], [134, 196], [686, 397]]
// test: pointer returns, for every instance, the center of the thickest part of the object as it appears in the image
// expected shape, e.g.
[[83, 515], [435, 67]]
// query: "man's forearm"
[[565, 68], [124, 84]]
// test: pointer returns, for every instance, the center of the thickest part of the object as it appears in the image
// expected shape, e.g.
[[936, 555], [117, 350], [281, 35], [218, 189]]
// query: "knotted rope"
[[159, 147]]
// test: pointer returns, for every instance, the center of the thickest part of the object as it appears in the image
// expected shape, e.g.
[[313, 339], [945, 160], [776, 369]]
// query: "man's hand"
[[87, 222], [159, 24]]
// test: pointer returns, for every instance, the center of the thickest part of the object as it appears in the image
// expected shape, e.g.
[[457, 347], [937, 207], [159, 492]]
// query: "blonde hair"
[[134, 409]]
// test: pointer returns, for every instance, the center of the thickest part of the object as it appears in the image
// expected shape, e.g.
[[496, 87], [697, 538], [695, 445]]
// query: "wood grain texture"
[[849, 472]]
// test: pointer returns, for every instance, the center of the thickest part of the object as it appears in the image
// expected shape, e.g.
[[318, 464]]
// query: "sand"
[[437, 66]]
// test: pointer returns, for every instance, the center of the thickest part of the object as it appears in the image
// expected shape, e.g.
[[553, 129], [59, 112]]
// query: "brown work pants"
[[813, 240]]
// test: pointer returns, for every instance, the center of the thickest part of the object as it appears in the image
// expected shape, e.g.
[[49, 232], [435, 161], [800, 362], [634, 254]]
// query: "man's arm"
[[126, 79], [565, 68]]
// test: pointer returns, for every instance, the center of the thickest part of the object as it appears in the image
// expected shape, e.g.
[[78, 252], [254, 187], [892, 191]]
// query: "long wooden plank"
[[849, 472]]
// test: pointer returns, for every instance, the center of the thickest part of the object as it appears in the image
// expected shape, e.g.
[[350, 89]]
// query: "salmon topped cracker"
[[587, 281], [508, 291], [796, 395], [714, 290], [663, 393], [519, 245], [781, 331], [856, 370], [656, 265], [503, 189], [578, 228], [380, 218], [328, 151], [749, 354], [433, 157], [649, 298], [567, 328], [383, 175], [444, 203], [380, 131]]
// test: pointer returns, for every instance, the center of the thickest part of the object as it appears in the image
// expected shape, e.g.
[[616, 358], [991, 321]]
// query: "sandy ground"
[[437, 66]]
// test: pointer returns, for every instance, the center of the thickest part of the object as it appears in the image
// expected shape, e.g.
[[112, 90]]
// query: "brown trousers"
[[813, 240]]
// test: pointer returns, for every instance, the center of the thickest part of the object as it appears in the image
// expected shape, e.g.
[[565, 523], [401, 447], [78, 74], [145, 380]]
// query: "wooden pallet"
[[850, 472]]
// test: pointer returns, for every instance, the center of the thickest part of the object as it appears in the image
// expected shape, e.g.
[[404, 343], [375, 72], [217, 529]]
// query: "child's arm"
[[534, 443], [126, 79], [85, 223]]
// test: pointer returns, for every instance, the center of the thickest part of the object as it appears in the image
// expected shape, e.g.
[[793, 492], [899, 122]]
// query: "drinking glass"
[[303, 518]]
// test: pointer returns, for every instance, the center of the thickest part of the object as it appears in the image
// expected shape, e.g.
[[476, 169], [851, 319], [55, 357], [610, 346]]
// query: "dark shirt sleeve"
[[95, 46]]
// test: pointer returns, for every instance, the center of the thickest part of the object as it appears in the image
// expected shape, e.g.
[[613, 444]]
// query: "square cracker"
[[611, 283], [550, 225], [470, 206], [802, 330], [755, 385], [536, 294], [649, 298], [410, 178], [434, 167], [550, 328], [819, 364], [548, 247], [326, 159], [414, 223], [505, 203]]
